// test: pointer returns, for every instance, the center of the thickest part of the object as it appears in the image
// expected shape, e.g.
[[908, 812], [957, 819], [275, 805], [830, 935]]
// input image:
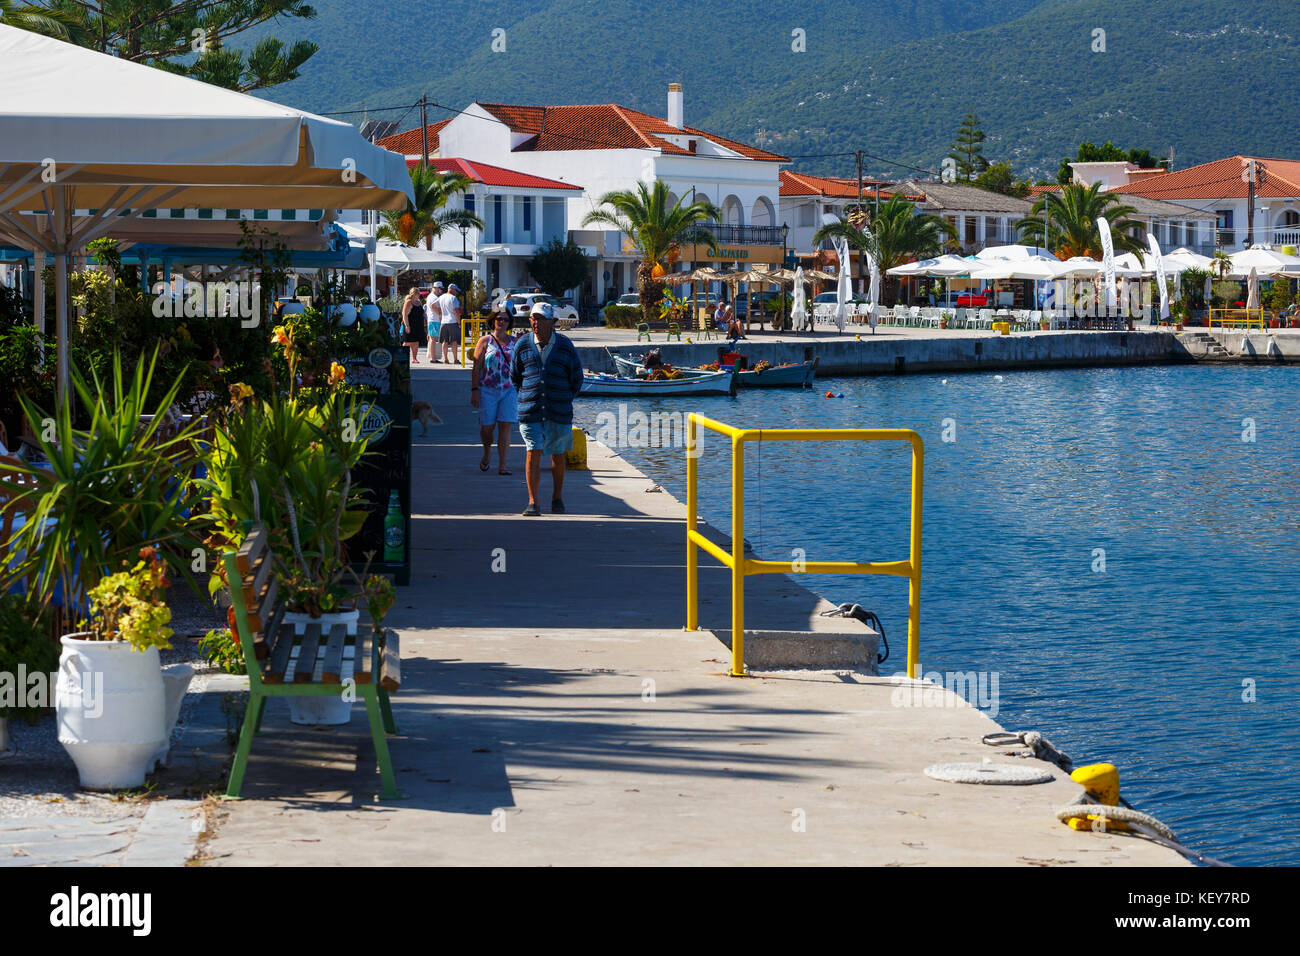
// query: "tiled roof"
[[834, 187], [411, 142], [1220, 179], [490, 175], [605, 126], [943, 197], [1143, 205]]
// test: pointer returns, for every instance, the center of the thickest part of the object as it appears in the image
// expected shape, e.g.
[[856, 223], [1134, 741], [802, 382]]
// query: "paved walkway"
[[554, 712]]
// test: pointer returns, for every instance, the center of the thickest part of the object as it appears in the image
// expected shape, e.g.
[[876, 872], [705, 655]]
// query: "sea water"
[[1121, 547]]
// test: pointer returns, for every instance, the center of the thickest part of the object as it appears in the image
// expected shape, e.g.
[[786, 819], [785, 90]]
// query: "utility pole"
[[424, 127], [860, 198], [1250, 174]]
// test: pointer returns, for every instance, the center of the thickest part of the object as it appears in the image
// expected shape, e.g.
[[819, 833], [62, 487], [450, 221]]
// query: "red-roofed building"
[[1219, 189], [805, 199], [607, 147], [521, 211]]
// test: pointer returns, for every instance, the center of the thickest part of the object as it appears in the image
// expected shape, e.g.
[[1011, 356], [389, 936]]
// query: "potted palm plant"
[[285, 461], [103, 518]]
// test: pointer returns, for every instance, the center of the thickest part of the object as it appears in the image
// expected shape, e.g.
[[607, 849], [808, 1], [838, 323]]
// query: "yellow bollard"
[[575, 459], [1101, 781]]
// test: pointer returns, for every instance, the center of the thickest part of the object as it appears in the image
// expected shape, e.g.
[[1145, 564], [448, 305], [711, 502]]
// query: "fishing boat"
[[721, 382], [794, 375]]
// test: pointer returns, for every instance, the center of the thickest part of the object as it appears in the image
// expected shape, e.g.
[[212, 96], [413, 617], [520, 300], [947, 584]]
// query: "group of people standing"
[[436, 319]]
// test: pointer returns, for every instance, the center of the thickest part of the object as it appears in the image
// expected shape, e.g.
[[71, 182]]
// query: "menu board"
[[386, 466]]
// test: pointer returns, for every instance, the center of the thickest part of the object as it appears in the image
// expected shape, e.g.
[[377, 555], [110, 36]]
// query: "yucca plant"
[[109, 490]]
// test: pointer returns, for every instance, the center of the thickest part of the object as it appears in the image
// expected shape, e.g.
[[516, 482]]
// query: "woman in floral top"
[[493, 394]]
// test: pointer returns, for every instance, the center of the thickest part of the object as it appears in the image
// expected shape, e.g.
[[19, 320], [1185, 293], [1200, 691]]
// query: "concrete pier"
[[895, 351], [554, 711]]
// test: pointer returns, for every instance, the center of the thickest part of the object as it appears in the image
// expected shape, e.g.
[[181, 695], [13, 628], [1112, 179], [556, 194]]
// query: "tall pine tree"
[[968, 150], [180, 36]]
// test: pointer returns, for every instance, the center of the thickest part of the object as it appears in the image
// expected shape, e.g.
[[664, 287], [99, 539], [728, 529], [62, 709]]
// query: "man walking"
[[547, 374], [449, 336], [433, 320]]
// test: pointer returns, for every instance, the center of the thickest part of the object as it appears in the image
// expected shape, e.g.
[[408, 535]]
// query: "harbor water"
[[1116, 551]]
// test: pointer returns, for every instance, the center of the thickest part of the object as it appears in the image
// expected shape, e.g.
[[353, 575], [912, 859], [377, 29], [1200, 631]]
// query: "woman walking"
[[413, 324], [492, 393]]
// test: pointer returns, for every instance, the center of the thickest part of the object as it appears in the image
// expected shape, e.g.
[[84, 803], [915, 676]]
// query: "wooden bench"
[[282, 663]]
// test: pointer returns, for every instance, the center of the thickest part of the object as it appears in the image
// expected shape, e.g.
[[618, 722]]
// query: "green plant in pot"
[[111, 702], [285, 461]]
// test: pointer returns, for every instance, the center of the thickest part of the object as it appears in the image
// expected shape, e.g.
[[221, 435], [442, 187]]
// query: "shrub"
[[622, 316], [23, 641], [221, 648]]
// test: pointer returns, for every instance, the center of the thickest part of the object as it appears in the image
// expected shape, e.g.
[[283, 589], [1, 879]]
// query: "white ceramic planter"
[[322, 711], [110, 707]]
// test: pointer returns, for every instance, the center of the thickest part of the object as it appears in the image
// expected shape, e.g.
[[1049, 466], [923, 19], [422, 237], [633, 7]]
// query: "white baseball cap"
[[543, 309], [453, 288]]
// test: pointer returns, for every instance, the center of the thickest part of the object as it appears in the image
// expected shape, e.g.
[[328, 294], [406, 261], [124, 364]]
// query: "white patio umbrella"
[[87, 139], [394, 257], [945, 265], [843, 285], [1035, 269], [1182, 259], [1264, 261], [1014, 253], [1252, 286], [799, 309], [873, 293]]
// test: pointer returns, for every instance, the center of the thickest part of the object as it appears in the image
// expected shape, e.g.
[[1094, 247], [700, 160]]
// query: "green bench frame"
[[268, 645]]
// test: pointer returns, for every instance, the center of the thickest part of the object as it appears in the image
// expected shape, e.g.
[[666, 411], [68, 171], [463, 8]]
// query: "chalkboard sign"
[[386, 466]]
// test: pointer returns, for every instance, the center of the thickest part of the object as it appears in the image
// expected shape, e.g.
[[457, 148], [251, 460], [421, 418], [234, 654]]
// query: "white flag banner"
[[844, 286], [1108, 262], [1160, 277], [873, 296]]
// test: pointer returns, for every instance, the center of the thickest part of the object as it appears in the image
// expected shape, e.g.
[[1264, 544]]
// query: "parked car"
[[522, 304], [978, 300], [500, 295], [630, 298]]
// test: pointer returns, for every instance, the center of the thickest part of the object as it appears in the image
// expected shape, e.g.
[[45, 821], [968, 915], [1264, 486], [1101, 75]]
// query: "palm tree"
[[1073, 215], [38, 19], [657, 230], [428, 216], [894, 235]]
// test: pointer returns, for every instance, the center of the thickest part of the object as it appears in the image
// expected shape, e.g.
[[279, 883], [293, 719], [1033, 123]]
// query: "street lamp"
[[785, 233], [464, 230]]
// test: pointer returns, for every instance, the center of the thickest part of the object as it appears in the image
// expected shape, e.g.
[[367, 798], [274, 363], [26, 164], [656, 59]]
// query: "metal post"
[[38, 291], [914, 560], [737, 557], [424, 127], [692, 557]]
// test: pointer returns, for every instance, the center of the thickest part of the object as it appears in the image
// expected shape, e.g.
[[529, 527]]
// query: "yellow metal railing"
[[1244, 318], [741, 566], [467, 342]]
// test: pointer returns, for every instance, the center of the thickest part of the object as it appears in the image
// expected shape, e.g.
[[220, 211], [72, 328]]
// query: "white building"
[[605, 147], [521, 211], [1218, 190]]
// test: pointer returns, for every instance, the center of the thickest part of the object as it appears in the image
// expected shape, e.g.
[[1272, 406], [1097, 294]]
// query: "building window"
[[497, 213], [806, 214], [1224, 217], [528, 214], [469, 202]]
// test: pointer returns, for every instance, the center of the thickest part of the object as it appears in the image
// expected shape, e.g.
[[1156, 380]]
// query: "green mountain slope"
[[597, 51], [1210, 79], [891, 77]]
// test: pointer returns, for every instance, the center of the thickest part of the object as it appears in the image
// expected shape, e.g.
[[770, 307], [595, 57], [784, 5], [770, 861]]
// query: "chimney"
[[675, 105]]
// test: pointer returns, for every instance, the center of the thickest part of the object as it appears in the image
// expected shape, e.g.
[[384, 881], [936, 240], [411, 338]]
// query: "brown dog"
[[423, 413]]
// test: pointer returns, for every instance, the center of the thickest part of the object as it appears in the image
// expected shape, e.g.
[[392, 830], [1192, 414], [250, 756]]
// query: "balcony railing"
[[733, 235], [1226, 238]]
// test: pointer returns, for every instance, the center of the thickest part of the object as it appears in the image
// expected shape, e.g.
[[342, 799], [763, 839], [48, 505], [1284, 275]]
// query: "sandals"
[[500, 472]]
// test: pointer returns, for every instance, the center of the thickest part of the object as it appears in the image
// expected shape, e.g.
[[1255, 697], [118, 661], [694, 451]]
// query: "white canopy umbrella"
[[87, 138], [843, 285], [393, 257], [1265, 261], [945, 265], [873, 293], [799, 309], [1182, 259], [1014, 253], [1035, 269], [1134, 263], [1083, 266], [1252, 286]]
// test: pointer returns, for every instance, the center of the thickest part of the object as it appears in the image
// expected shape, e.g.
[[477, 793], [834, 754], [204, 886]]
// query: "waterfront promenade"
[[556, 712]]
